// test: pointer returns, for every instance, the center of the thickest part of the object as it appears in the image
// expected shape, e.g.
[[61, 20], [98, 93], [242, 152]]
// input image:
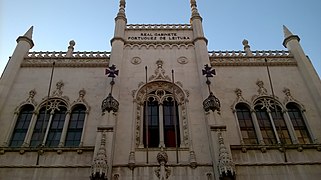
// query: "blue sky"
[[226, 23]]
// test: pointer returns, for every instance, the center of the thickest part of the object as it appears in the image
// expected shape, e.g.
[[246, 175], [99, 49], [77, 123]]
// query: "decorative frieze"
[[154, 45], [158, 26]]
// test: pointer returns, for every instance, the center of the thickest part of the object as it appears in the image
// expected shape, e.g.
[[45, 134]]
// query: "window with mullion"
[[75, 126], [280, 126], [56, 127], [170, 115], [246, 124], [152, 131], [298, 123], [21, 126], [265, 125], [40, 128]]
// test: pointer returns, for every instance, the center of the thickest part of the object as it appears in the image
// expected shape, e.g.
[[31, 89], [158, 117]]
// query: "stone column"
[[64, 130], [161, 125]]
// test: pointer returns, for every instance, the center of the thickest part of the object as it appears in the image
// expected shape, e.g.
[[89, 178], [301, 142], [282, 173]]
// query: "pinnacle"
[[28, 34], [287, 32]]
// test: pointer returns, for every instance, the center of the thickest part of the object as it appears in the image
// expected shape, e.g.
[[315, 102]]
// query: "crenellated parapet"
[[76, 59], [84, 54], [256, 58], [158, 26]]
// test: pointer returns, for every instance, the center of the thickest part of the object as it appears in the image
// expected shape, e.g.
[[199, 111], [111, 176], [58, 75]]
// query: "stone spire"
[[288, 36], [24, 44], [194, 10], [27, 37], [121, 11]]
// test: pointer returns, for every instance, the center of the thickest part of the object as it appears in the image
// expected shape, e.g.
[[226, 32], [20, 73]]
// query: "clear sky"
[[226, 23]]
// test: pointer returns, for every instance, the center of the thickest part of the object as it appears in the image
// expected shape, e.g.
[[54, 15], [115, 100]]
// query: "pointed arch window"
[[22, 125], [271, 122], [246, 124], [281, 127], [298, 123], [171, 124], [75, 127], [55, 130], [162, 126], [151, 126], [49, 125]]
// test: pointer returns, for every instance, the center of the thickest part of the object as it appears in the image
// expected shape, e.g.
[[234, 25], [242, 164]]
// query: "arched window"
[[280, 125], [265, 125], [40, 128], [298, 123], [75, 126], [55, 130], [246, 124], [49, 124], [171, 124], [162, 127], [151, 127], [21, 126], [271, 122]]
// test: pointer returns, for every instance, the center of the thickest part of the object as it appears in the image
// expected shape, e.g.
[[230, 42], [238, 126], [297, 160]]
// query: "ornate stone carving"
[[99, 168], [159, 72], [29, 100], [262, 91], [192, 159], [182, 60], [226, 165], [289, 98], [159, 88], [162, 172], [158, 26], [136, 60]]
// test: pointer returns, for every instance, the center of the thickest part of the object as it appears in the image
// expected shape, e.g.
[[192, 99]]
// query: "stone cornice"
[[158, 27], [286, 40], [24, 38], [77, 59], [240, 58]]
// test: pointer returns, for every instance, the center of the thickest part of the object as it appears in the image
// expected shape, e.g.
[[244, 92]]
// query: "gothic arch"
[[161, 89]]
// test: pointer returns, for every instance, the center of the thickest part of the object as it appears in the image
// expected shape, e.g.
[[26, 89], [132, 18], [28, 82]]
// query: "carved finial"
[[121, 12], [99, 168], [159, 72], [226, 166], [247, 47], [70, 48], [58, 91], [238, 92], [262, 91], [194, 9], [32, 94]]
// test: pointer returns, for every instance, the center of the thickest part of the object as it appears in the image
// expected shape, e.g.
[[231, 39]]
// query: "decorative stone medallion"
[[182, 60], [136, 60]]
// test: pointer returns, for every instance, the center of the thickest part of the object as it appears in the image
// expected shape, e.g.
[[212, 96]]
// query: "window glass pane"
[[246, 124], [298, 123], [265, 125], [21, 126], [75, 126]]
